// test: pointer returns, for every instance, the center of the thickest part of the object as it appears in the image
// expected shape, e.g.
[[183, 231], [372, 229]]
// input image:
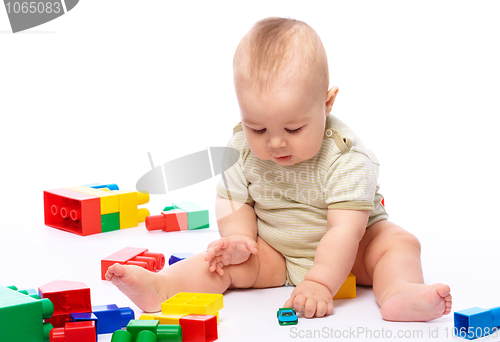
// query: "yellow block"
[[348, 288], [164, 319], [193, 303], [109, 201], [130, 215]]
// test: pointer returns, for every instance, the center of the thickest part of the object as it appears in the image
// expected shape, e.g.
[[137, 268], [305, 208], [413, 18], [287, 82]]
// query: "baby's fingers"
[[220, 269], [321, 309], [212, 264], [252, 247], [298, 304], [213, 250], [310, 308], [289, 302]]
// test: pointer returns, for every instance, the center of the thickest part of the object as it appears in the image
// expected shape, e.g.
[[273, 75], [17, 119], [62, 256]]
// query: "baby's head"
[[281, 81]]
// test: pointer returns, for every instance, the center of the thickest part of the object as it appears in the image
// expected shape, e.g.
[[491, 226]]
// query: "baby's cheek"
[[258, 149]]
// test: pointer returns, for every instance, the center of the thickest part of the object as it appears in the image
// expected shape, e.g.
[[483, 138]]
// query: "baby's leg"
[[389, 259], [148, 290]]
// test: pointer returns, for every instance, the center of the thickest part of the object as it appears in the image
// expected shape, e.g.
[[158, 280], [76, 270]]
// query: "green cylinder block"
[[47, 327], [146, 336], [169, 333], [121, 336], [47, 308]]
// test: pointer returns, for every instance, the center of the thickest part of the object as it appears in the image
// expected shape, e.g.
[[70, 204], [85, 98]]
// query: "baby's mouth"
[[283, 158]]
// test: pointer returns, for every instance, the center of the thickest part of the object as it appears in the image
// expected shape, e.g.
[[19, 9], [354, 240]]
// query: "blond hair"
[[279, 52]]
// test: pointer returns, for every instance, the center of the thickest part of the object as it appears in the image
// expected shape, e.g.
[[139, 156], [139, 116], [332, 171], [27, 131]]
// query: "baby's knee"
[[408, 240], [244, 275]]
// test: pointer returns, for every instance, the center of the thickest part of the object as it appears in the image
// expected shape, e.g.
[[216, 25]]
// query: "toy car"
[[287, 316]]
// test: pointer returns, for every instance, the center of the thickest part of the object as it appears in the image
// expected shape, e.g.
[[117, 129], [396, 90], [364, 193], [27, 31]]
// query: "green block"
[[169, 332], [135, 326], [146, 336], [21, 317], [197, 216], [121, 336], [110, 222]]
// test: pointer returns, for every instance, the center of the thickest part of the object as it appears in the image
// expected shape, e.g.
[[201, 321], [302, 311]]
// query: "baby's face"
[[286, 128]]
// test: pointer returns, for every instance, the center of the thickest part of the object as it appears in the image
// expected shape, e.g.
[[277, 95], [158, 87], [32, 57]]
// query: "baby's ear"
[[331, 95]]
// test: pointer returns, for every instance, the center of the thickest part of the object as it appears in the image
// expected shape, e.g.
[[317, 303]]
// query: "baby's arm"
[[333, 261], [237, 224]]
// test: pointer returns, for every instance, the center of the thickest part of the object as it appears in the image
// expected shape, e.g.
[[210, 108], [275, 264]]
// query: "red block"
[[72, 211], [169, 221], [134, 256], [74, 332], [199, 328], [68, 297]]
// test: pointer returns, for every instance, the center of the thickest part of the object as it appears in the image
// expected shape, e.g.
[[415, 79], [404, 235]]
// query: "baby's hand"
[[231, 250], [312, 297]]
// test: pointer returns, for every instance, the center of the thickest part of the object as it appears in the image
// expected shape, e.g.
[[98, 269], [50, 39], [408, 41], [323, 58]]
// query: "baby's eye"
[[259, 131], [293, 131]]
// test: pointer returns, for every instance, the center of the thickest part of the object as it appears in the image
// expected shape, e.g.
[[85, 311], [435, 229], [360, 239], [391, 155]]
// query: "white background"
[[84, 98]]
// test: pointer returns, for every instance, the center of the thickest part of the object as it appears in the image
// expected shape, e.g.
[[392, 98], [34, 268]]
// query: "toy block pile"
[[187, 317], [22, 314], [185, 303], [134, 256], [75, 319], [179, 216], [191, 328], [94, 208]]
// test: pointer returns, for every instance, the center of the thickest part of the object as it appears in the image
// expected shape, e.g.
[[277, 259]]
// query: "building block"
[[197, 216], [146, 336], [199, 328], [142, 336], [111, 186], [130, 215], [169, 221], [68, 297], [193, 303], [21, 316], [121, 336], [178, 257], [476, 322], [112, 318], [85, 317], [163, 318], [75, 332], [133, 256], [72, 211], [163, 332], [348, 288], [108, 199], [110, 222], [94, 208]]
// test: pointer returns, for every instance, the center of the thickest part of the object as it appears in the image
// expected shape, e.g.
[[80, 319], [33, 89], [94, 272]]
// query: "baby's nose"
[[277, 142]]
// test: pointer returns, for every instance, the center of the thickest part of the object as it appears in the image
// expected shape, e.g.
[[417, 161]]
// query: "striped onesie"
[[291, 202]]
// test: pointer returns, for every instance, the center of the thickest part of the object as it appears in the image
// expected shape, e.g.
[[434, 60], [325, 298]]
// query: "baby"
[[301, 204]]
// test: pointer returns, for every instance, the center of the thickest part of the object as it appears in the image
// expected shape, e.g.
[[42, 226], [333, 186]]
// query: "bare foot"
[[140, 285], [417, 303]]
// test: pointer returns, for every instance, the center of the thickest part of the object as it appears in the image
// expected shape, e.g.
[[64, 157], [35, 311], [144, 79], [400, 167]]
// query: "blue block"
[[476, 322], [178, 257], [85, 316], [111, 186], [112, 318]]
